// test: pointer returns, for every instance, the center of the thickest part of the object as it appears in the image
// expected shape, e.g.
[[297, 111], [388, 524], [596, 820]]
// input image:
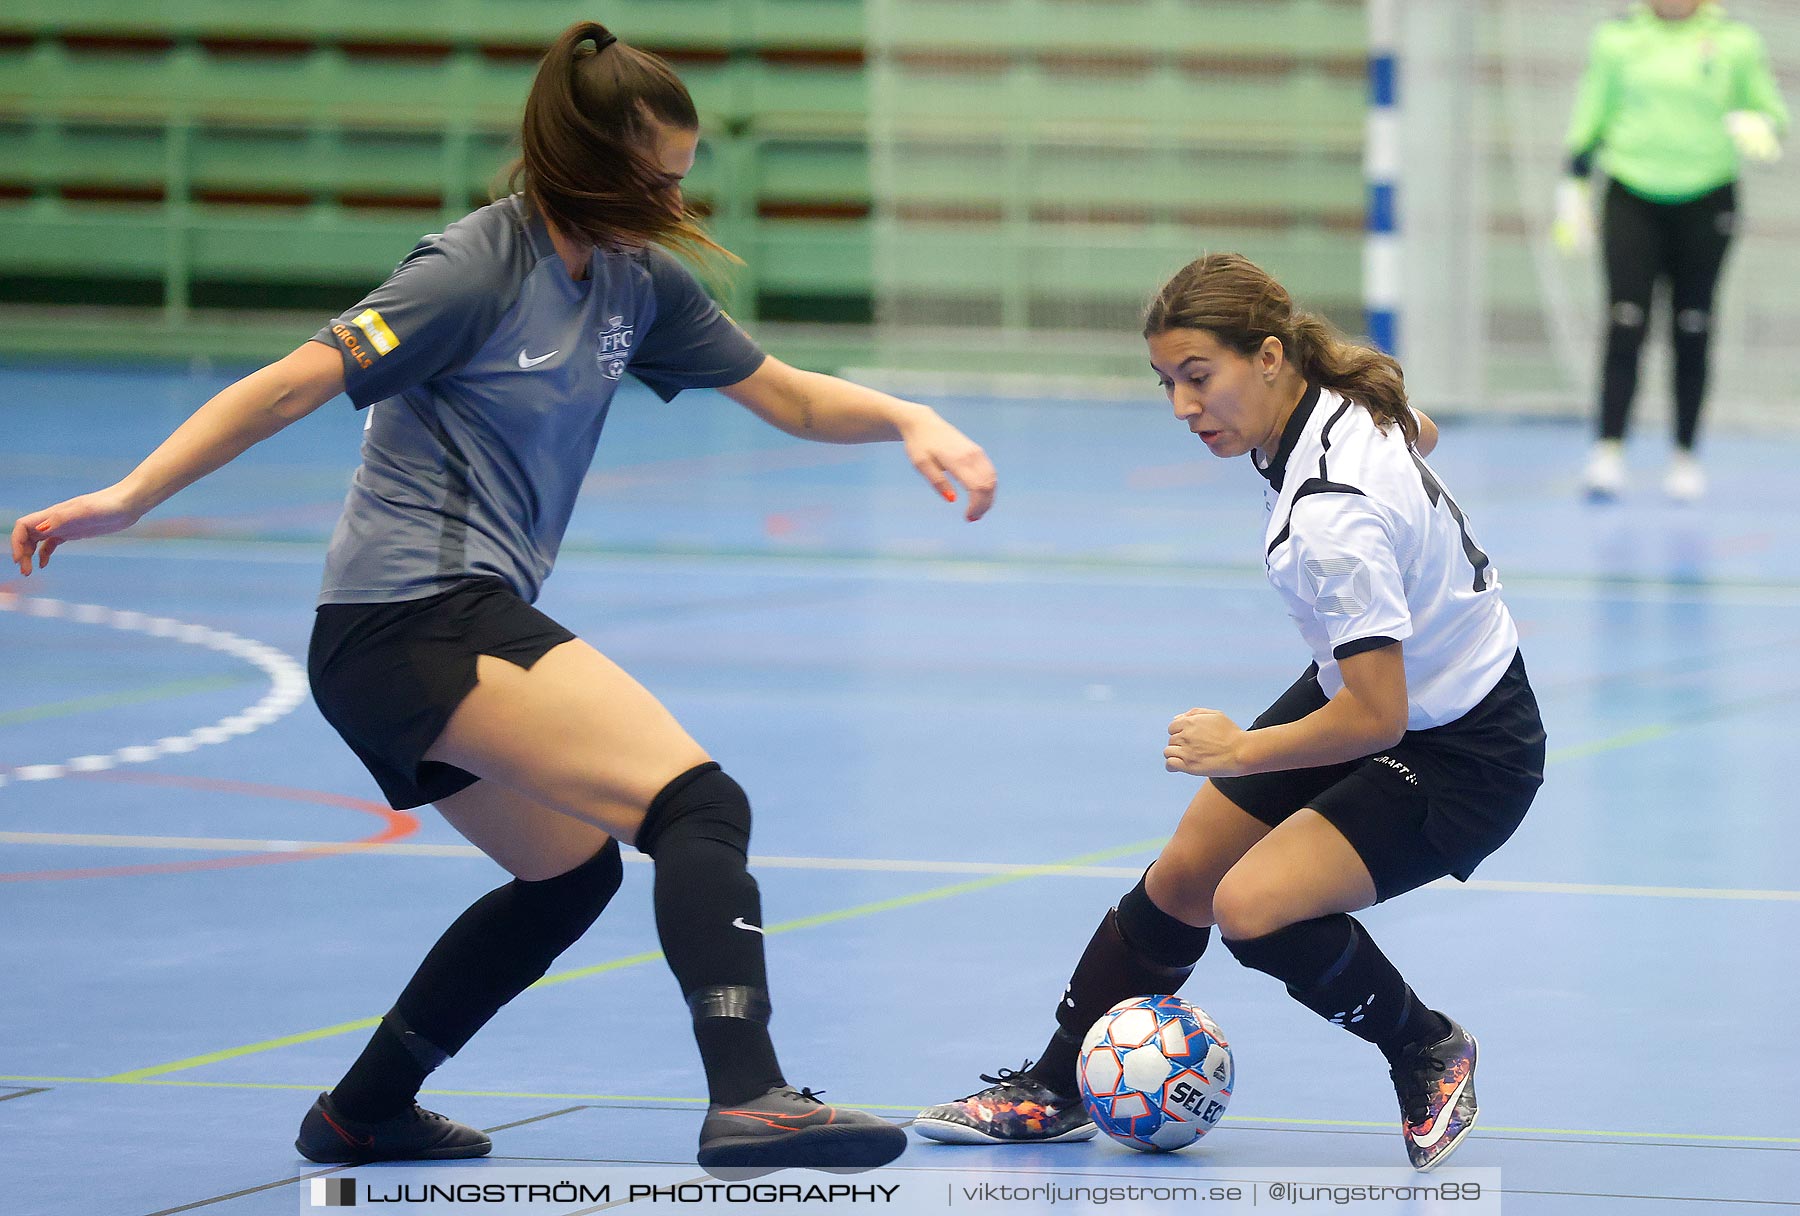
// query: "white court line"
[[231, 844], [228, 844], [1171, 570], [287, 683]]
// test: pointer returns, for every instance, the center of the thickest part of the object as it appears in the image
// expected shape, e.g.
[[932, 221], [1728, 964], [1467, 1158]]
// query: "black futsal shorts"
[[388, 676], [1436, 803]]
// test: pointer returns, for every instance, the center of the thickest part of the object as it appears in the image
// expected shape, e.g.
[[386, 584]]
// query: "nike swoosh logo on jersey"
[[526, 362], [1443, 1119], [741, 923]]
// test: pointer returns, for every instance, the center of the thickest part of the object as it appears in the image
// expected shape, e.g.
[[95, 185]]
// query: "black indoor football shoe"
[[1435, 1083], [1016, 1108], [790, 1128], [329, 1138]]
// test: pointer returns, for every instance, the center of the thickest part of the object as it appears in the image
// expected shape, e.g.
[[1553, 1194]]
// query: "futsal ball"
[[1155, 1073]]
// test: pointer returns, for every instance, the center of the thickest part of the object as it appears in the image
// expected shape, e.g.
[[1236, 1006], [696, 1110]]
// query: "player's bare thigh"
[[575, 734], [1213, 834], [1302, 870], [528, 839]]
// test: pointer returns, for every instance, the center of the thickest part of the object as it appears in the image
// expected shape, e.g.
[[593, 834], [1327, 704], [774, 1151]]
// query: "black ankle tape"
[[730, 1001], [425, 1053]]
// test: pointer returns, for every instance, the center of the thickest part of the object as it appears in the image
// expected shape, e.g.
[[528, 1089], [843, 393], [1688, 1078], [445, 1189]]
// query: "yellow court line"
[[948, 891], [1537, 1131], [869, 909], [1380, 1125], [1630, 738], [232, 1053], [648, 956], [118, 700]]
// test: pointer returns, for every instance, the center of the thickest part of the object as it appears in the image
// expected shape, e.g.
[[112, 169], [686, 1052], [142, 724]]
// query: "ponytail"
[[585, 160], [1367, 376], [1238, 302]]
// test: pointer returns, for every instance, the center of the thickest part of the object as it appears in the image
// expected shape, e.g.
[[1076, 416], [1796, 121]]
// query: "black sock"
[[1333, 967], [1138, 950], [709, 919], [495, 950], [384, 1080]]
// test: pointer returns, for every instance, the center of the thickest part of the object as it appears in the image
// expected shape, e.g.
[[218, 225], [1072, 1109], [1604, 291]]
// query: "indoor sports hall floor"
[[952, 736]]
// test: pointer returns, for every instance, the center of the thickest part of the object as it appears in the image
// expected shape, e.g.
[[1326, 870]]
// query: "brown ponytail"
[[585, 163], [1237, 302]]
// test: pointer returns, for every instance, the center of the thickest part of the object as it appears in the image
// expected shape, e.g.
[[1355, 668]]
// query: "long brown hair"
[[1236, 301], [585, 161]]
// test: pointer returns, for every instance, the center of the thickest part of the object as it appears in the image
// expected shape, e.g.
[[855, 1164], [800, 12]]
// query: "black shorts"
[[388, 676], [1435, 803]]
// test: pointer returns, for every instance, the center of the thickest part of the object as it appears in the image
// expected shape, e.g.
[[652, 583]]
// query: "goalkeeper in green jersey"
[[1675, 96]]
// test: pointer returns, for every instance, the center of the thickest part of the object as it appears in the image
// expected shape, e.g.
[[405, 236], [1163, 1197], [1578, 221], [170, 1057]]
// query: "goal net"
[[1040, 166]]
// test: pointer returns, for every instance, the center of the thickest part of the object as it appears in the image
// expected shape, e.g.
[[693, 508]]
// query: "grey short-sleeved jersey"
[[490, 372]]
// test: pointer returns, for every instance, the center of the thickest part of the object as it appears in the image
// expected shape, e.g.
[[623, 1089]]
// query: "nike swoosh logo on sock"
[[741, 923], [526, 362]]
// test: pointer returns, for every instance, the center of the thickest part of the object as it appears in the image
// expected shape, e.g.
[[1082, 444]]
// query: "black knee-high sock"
[[495, 950], [1333, 967], [1138, 950], [709, 919]]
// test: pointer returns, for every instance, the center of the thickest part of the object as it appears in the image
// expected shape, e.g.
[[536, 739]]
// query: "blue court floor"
[[952, 736]]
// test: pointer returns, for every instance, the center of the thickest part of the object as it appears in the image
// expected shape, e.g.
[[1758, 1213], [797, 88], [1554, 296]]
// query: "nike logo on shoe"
[[354, 1141], [1432, 1132], [527, 362], [784, 1123], [741, 923]]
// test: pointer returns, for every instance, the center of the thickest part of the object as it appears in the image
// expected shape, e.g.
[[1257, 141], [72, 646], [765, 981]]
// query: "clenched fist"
[[1204, 743]]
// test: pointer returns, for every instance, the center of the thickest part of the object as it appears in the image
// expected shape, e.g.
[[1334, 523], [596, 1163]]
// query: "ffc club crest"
[[615, 347]]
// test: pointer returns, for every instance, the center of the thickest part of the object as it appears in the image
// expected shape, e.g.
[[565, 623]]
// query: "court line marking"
[[272, 660], [395, 826], [1273, 1122], [632, 960], [861, 864], [554, 1114], [1724, 1200], [136, 696], [1015, 567], [252, 1190], [287, 683]]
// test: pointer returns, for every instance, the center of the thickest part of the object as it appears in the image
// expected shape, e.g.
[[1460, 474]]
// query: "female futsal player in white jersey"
[[489, 359], [1410, 748]]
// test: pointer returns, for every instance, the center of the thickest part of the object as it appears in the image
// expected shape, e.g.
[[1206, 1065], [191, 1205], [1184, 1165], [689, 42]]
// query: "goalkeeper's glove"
[[1754, 135], [1573, 228]]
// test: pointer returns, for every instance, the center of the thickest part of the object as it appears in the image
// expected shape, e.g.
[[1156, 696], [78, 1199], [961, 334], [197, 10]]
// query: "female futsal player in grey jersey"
[[488, 360], [1409, 750]]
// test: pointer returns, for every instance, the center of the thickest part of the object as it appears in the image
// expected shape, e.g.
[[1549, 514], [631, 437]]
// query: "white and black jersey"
[[1367, 548]]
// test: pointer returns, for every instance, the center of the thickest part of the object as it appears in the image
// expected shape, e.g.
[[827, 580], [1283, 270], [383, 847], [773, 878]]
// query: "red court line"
[[396, 825]]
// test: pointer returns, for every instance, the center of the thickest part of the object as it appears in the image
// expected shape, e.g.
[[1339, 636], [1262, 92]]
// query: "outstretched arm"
[[241, 415], [829, 410]]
